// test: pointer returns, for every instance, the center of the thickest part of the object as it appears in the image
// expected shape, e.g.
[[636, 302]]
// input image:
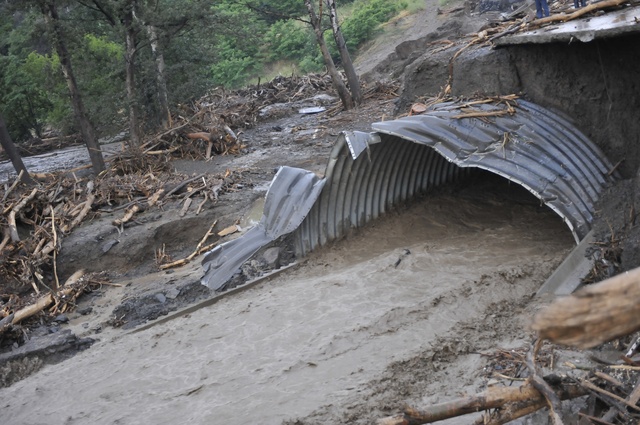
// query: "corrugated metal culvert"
[[369, 173]]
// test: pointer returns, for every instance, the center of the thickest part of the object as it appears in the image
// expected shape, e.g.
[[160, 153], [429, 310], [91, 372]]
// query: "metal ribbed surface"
[[538, 149], [292, 193], [369, 173], [358, 191]]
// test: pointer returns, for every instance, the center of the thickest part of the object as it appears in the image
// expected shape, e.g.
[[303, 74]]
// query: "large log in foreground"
[[492, 398], [595, 314]]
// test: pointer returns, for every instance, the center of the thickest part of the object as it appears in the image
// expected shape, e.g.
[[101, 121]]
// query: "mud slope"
[[460, 264]]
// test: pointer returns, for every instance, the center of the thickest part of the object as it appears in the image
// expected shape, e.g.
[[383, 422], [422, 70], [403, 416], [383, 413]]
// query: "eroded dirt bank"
[[456, 270]]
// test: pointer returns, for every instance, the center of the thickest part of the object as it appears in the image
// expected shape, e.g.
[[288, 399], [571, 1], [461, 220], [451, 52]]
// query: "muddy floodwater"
[[319, 333], [58, 160]]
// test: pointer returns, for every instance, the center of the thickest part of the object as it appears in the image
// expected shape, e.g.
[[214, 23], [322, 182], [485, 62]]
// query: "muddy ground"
[[408, 310]]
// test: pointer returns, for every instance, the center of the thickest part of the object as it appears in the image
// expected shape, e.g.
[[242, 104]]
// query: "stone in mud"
[[271, 257]]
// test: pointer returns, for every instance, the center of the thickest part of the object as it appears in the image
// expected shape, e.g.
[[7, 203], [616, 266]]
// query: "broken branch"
[[492, 398]]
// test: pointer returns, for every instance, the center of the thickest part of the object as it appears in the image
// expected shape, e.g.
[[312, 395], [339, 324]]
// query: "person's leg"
[[545, 7]]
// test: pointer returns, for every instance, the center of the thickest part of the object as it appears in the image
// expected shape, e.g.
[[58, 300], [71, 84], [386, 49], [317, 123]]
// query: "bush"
[[290, 39], [235, 66], [366, 19]]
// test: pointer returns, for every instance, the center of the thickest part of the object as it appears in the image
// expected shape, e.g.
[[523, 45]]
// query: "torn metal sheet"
[[369, 173], [534, 147], [292, 193], [312, 110]]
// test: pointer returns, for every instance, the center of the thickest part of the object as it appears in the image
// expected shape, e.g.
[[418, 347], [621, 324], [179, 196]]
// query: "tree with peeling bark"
[[347, 64], [336, 79], [50, 11], [12, 153]]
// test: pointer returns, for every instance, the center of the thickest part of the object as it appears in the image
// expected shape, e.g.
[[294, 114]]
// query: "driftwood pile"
[[34, 220]]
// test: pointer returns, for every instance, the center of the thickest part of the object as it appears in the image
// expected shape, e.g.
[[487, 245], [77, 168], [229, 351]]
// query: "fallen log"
[[83, 213], [128, 214], [13, 229], [593, 315], [44, 302], [578, 13], [492, 398]]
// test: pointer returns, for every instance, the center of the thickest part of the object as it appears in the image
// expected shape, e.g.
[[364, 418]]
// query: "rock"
[[172, 293], [85, 310], [108, 245], [62, 318], [161, 298], [271, 257]]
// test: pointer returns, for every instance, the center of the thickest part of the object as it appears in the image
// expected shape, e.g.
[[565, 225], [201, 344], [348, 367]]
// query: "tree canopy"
[[119, 48]]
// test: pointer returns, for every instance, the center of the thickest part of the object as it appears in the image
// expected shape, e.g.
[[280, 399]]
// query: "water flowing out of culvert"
[[369, 174]]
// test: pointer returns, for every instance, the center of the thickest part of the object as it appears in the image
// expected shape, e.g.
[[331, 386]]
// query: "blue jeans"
[[542, 7], [579, 3]]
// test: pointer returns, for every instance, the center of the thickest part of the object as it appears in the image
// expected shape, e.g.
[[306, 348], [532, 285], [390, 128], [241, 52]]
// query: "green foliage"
[[311, 64], [366, 19], [24, 100], [204, 44], [272, 11], [237, 42], [289, 39], [234, 67], [98, 64], [103, 48], [45, 72]]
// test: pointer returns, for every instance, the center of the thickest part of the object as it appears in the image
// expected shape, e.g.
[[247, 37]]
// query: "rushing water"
[[312, 335]]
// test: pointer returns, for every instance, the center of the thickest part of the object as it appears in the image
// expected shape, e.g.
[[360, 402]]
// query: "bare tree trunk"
[[338, 84], [163, 98], [12, 152], [130, 66], [347, 64], [50, 12]]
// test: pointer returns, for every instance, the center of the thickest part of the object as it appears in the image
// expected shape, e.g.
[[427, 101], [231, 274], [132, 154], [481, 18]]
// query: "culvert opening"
[[478, 204], [369, 174]]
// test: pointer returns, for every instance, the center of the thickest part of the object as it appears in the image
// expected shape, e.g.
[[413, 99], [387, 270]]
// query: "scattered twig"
[[199, 249]]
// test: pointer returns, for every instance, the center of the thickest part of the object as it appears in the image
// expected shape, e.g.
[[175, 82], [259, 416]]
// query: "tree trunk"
[[347, 64], [163, 98], [338, 84], [12, 152], [130, 41], [86, 129], [595, 314]]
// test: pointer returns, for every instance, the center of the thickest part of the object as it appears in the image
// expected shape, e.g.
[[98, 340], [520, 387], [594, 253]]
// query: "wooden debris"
[[595, 314], [578, 13], [551, 398], [200, 248], [494, 397], [66, 290], [229, 230], [12, 215], [185, 207]]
